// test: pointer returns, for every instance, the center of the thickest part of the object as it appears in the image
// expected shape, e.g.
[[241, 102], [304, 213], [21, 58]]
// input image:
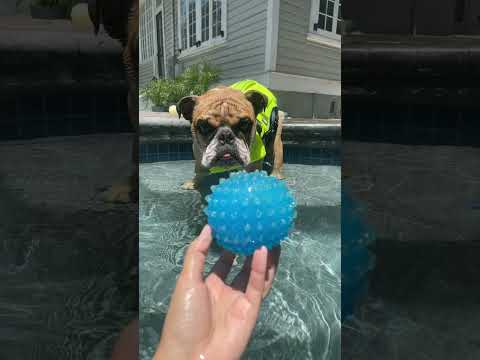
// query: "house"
[[291, 46]]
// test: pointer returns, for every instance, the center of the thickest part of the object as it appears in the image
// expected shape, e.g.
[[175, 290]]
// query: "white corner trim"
[[325, 41], [305, 84], [271, 44]]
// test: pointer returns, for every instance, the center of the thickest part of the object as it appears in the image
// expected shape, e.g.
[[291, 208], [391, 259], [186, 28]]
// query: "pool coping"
[[162, 127]]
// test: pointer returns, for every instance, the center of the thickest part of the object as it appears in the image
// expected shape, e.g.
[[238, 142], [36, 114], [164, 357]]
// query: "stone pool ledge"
[[166, 128]]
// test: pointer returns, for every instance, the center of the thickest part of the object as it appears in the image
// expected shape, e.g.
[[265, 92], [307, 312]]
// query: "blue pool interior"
[[300, 319]]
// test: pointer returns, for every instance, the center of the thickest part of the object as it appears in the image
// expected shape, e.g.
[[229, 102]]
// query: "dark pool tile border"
[[411, 124], [29, 117], [153, 152]]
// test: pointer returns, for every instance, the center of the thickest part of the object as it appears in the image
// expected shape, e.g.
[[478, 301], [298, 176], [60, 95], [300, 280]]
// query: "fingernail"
[[204, 233]]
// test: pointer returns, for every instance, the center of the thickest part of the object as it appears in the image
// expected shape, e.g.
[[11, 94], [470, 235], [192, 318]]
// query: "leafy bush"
[[199, 77], [195, 80]]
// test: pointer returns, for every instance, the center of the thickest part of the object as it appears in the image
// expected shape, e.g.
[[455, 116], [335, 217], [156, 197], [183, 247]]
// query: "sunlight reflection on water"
[[300, 319]]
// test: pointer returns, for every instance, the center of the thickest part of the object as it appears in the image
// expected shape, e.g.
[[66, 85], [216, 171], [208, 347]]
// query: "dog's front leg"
[[193, 183]]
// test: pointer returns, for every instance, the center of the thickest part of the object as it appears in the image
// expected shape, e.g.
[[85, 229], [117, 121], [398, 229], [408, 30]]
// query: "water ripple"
[[300, 319]]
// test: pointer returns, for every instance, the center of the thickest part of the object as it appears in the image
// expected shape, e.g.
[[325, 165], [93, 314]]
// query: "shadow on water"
[[67, 278]]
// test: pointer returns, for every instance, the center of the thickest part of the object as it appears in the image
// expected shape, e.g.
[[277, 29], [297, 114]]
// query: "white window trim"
[[325, 41], [156, 10], [326, 38], [205, 46], [271, 40]]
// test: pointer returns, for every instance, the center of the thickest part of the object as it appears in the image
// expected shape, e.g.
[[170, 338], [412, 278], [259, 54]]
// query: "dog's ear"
[[258, 100], [185, 107]]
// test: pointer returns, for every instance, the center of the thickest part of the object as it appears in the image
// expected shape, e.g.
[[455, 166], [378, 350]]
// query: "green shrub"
[[199, 77], [195, 80]]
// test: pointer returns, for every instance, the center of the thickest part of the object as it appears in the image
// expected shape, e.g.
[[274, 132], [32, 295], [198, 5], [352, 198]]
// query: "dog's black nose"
[[225, 136]]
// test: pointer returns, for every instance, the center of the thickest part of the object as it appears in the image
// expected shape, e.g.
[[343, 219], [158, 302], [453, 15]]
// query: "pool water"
[[300, 319], [68, 260]]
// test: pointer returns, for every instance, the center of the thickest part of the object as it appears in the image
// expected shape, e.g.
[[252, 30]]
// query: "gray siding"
[[295, 54], [169, 27], [243, 53], [146, 69], [145, 74]]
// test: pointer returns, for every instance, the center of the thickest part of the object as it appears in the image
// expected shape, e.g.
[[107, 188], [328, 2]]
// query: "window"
[[146, 31], [201, 23], [205, 20], [326, 18]]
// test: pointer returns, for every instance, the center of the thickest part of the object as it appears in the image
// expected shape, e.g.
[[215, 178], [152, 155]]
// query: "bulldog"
[[224, 132]]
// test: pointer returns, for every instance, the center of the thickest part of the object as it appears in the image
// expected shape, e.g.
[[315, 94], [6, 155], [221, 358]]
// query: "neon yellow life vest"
[[257, 148]]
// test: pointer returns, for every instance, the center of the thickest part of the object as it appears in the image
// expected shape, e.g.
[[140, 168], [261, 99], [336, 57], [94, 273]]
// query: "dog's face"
[[223, 124]]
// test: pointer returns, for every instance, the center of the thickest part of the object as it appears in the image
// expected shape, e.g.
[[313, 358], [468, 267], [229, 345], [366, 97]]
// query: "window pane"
[[339, 27], [321, 22], [205, 19], [339, 11], [330, 8], [329, 24], [192, 22], [216, 18], [159, 3], [323, 6], [183, 22]]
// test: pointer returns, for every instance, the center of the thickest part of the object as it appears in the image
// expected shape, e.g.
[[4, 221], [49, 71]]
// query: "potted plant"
[[50, 9], [194, 80], [161, 93]]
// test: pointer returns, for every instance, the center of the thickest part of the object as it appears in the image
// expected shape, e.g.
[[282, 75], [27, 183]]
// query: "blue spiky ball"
[[357, 259], [249, 210]]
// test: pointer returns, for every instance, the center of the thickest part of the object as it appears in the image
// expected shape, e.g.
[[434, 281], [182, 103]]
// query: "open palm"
[[208, 318]]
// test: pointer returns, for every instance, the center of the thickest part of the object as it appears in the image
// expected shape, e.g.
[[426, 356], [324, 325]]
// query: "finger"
[[196, 253], [126, 346], [222, 267], [241, 280], [272, 266], [256, 281]]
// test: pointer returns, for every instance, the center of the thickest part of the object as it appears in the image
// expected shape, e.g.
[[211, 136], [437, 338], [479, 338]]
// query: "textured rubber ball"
[[249, 210]]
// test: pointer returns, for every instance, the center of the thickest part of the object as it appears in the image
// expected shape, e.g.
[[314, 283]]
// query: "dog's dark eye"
[[244, 125], [205, 128]]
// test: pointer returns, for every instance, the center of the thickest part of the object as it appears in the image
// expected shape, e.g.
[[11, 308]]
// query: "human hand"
[[207, 318]]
